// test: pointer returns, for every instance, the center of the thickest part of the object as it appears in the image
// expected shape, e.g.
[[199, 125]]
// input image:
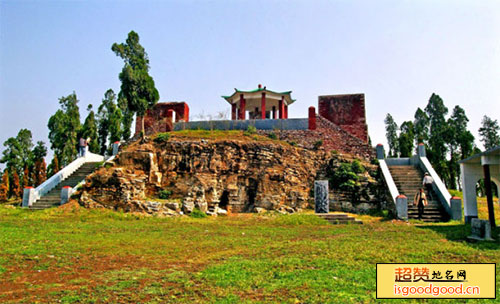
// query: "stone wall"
[[346, 111], [260, 124]]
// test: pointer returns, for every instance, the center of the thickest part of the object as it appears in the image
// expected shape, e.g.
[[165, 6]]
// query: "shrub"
[[162, 138], [272, 135], [346, 178], [197, 213], [99, 164], [250, 130], [164, 194], [318, 144], [357, 167], [292, 143]]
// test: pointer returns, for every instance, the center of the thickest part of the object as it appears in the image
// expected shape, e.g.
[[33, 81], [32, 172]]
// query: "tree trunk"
[[143, 133]]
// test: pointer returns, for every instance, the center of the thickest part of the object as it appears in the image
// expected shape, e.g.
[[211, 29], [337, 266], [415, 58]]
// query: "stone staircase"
[[408, 179], [53, 197], [339, 218]]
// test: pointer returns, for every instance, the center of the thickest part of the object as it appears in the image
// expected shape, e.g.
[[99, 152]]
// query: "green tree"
[[460, 143], [127, 119], [89, 131], [489, 132], [17, 154], [64, 126], [436, 110], [53, 168], [406, 139], [138, 87], [391, 133], [40, 151], [109, 121], [421, 127]]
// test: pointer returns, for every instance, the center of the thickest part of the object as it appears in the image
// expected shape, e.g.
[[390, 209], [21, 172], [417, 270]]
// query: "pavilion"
[[260, 104], [483, 165]]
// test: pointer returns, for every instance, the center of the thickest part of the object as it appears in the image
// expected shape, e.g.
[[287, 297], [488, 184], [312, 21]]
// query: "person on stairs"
[[427, 183], [420, 201], [81, 146]]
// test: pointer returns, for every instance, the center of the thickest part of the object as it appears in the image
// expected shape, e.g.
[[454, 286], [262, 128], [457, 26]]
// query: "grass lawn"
[[74, 255]]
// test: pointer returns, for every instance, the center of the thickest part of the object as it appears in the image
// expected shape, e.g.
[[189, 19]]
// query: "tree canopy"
[[489, 132], [109, 120], [438, 134], [137, 91], [391, 132], [64, 126], [89, 131]]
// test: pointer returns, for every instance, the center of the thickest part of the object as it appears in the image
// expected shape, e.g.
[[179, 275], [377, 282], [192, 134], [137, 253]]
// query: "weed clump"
[[162, 138], [164, 194], [250, 131], [197, 213], [318, 144]]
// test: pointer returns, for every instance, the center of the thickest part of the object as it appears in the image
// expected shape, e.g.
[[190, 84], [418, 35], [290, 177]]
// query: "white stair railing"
[[60, 176]]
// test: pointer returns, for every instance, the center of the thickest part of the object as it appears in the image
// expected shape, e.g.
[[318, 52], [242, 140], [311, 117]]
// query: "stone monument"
[[480, 230], [321, 200]]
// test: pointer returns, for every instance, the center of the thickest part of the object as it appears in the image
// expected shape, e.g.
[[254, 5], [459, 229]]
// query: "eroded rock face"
[[240, 175], [237, 176], [224, 176]]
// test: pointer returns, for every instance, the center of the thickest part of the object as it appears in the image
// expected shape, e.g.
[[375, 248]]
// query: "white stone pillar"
[[66, 192], [28, 196], [469, 175], [116, 146]]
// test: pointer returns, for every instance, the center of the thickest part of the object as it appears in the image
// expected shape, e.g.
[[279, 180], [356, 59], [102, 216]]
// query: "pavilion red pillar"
[[242, 107], [274, 112], [233, 111], [263, 106], [286, 112], [281, 109]]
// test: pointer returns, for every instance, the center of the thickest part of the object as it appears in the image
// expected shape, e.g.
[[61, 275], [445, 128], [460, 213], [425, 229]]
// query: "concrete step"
[[44, 205], [53, 197], [339, 218], [408, 180]]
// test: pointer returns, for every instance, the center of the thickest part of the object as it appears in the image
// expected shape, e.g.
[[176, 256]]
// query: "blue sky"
[[396, 52]]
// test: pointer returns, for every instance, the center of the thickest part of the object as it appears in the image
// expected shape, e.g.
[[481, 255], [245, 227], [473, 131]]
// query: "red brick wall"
[[334, 139], [346, 111], [156, 118]]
